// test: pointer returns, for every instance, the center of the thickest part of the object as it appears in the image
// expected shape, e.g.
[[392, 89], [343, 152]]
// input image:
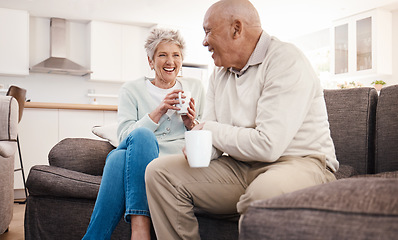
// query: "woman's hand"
[[189, 118], [169, 102]]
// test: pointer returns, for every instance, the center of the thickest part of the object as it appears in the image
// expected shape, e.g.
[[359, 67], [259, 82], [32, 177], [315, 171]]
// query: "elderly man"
[[267, 115]]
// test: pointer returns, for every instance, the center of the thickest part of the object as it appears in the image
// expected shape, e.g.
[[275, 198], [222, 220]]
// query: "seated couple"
[[264, 107]]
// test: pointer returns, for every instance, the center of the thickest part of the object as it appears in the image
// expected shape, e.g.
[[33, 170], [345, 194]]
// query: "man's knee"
[[157, 170], [150, 172]]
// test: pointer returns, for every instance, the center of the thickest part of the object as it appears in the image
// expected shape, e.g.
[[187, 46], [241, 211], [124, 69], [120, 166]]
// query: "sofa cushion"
[[387, 130], [80, 154], [53, 181], [356, 208], [351, 114], [345, 171]]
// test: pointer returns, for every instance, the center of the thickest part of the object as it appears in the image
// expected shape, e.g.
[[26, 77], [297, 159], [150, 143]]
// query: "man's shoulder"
[[282, 48]]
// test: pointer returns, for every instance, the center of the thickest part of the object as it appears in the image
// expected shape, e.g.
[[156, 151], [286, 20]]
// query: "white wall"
[[73, 89], [394, 78], [60, 88]]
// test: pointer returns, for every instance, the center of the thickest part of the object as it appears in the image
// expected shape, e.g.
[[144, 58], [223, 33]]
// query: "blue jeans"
[[122, 188]]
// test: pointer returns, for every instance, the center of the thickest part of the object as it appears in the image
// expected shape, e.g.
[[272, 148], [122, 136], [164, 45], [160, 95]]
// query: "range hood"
[[58, 63]]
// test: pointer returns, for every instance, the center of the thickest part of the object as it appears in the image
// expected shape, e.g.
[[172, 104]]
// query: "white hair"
[[158, 35]]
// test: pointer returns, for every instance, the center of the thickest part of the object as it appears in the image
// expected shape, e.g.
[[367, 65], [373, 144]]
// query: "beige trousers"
[[227, 186]]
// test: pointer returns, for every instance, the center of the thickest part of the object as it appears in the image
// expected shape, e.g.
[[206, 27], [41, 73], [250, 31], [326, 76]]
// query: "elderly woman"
[[148, 126]]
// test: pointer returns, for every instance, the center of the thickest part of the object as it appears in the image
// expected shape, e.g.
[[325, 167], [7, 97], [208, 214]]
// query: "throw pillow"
[[107, 132]]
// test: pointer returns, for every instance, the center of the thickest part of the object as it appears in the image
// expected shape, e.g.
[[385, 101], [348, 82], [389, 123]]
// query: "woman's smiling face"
[[167, 62]]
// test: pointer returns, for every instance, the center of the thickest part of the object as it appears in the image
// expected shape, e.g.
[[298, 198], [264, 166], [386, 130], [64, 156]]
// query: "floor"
[[16, 229]]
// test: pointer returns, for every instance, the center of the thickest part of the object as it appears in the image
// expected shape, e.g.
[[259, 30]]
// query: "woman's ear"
[[150, 63], [237, 28]]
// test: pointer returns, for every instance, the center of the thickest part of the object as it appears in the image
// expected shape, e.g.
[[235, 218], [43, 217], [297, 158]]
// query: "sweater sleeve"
[[210, 116], [128, 115]]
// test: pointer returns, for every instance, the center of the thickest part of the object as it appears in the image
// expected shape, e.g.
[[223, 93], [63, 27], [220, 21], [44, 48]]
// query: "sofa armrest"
[[345, 171], [353, 208], [80, 154], [8, 126], [53, 181]]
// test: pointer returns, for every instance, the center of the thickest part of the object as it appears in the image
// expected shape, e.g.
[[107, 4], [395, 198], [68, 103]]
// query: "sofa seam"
[[324, 210], [57, 174]]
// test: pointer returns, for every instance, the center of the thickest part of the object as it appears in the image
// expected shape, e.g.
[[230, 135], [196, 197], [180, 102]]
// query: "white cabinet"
[[117, 52], [78, 123], [40, 129], [37, 133], [14, 42], [362, 45]]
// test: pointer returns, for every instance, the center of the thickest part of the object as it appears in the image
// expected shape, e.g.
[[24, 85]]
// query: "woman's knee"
[[142, 132], [142, 136], [115, 160]]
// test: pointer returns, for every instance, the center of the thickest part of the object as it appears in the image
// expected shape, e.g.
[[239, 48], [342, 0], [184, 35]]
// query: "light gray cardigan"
[[135, 103]]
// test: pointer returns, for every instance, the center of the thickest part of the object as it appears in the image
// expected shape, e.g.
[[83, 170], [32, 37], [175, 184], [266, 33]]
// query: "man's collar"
[[257, 56]]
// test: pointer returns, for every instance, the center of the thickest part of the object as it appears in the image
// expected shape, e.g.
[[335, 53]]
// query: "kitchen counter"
[[75, 106]]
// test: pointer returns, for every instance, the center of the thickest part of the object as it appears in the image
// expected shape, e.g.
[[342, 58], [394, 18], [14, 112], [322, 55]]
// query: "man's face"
[[217, 39]]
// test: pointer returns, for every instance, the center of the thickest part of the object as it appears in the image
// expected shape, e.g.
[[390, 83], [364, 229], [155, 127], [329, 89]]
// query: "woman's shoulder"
[[134, 84]]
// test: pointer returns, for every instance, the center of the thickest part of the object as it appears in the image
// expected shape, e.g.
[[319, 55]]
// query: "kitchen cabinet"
[[40, 129], [78, 123], [14, 42], [117, 52], [38, 133], [362, 45]]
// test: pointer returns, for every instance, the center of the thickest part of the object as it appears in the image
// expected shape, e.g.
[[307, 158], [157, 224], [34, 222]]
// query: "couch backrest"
[[387, 130], [352, 122], [80, 154]]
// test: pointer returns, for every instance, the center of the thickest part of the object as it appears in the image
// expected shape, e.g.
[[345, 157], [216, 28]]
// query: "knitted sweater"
[[274, 108], [135, 103]]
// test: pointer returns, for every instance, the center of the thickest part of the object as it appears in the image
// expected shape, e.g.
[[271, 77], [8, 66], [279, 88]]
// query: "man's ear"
[[237, 28]]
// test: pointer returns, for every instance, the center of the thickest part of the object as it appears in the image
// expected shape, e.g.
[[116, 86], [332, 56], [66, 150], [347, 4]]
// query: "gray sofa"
[[8, 147], [62, 195], [364, 206]]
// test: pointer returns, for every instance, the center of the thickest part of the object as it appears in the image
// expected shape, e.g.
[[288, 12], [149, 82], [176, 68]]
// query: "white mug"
[[183, 106], [198, 147]]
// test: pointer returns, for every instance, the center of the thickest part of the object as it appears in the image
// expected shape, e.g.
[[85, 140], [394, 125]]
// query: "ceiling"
[[283, 18]]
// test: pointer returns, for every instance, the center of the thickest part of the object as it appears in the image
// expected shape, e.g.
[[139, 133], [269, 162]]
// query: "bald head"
[[230, 10], [232, 29]]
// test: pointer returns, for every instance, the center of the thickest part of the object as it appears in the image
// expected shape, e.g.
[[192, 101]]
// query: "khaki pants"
[[227, 186]]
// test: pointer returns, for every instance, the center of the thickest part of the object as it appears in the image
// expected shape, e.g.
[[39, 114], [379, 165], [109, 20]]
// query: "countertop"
[[74, 106]]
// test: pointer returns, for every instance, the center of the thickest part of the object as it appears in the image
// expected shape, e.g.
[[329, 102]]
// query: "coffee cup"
[[198, 148], [183, 106]]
